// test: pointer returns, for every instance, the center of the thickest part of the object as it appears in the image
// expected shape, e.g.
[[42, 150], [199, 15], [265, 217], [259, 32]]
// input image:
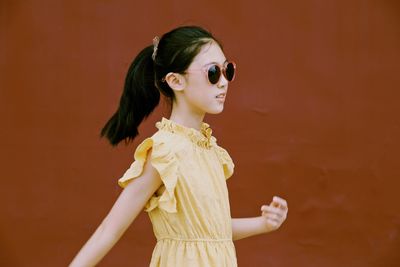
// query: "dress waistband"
[[194, 239]]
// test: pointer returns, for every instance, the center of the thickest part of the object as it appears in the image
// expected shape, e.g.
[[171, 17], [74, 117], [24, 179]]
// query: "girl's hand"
[[274, 214]]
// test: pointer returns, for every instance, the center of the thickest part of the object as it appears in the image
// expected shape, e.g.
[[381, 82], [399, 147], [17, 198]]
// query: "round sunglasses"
[[214, 71]]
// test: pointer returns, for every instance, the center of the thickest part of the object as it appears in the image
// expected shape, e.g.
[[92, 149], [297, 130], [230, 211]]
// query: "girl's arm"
[[124, 211], [272, 217]]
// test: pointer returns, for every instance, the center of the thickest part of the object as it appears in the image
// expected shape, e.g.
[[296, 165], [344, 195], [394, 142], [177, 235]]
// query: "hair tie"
[[156, 40]]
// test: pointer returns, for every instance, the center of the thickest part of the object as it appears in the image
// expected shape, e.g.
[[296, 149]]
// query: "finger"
[[274, 217], [279, 203], [271, 209], [280, 214]]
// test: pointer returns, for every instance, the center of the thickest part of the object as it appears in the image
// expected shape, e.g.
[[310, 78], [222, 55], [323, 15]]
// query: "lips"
[[222, 95]]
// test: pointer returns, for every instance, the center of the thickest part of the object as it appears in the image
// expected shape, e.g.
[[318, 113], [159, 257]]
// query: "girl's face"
[[200, 95]]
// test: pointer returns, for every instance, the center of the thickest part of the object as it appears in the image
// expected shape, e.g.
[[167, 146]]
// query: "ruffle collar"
[[202, 137]]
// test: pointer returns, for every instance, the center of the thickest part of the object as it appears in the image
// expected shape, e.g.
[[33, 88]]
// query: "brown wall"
[[313, 117]]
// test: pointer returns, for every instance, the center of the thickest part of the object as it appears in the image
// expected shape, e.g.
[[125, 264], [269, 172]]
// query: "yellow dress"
[[190, 212]]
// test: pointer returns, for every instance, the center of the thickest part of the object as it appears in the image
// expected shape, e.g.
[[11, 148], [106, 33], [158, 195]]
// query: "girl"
[[179, 174]]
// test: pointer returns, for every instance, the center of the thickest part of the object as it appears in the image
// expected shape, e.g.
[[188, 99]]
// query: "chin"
[[216, 111]]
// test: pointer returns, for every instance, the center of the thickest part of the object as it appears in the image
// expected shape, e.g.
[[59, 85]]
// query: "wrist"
[[264, 225]]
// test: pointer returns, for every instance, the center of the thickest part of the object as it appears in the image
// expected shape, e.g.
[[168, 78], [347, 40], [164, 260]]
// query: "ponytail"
[[138, 100]]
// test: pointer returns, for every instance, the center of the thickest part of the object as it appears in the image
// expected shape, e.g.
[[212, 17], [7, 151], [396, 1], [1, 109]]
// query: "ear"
[[176, 81]]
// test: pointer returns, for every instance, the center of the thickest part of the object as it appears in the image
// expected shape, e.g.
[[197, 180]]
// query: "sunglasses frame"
[[222, 71]]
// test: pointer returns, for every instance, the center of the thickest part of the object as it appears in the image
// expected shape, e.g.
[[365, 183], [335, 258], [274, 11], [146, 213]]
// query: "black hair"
[[144, 80]]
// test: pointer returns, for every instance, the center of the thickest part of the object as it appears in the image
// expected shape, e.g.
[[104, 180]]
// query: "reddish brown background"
[[313, 117]]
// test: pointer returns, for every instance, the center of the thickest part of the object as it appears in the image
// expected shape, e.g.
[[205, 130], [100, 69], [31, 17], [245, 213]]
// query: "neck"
[[186, 117]]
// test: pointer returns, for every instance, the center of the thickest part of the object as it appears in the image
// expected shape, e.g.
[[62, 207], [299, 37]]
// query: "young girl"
[[179, 174]]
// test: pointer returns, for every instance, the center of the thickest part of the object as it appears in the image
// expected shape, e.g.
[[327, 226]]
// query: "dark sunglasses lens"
[[230, 71], [214, 73]]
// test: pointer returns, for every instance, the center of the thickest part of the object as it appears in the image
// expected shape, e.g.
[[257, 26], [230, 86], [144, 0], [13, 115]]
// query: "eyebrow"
[[214, 62]]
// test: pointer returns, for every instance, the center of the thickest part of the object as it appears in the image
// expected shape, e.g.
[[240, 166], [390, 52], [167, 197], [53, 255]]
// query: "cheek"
[[198, 81], [202, 95], [200, 90]]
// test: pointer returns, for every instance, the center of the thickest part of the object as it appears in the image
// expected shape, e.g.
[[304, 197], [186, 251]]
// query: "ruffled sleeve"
[[165, 162], [226, 162]]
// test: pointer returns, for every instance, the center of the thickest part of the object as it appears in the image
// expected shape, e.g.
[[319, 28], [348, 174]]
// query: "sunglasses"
[[214, 71]]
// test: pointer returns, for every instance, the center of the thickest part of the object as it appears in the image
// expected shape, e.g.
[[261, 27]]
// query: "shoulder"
[[167, 139], [222, 153], [161, 143], [217, 147]]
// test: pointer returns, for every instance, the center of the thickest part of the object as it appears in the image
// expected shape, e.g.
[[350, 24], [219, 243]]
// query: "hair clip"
[[156, 40]]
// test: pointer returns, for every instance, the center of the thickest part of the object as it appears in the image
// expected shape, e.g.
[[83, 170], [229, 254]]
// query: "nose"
[[223, 82]]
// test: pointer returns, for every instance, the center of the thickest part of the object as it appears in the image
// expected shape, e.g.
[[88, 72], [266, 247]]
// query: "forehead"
[[210, 52]]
